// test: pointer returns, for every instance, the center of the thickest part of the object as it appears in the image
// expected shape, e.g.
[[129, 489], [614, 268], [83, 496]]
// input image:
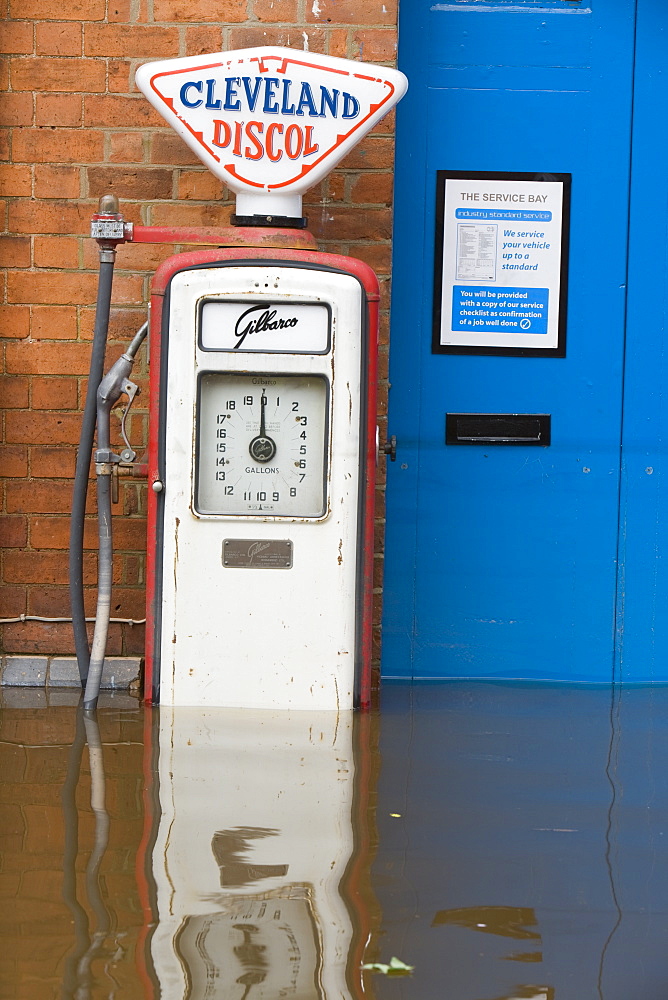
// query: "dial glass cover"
[[261, 444]]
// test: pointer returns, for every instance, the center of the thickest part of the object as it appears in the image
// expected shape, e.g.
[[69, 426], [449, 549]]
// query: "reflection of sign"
[[268, 118], [229, 849], [501, 247], [259, 947]]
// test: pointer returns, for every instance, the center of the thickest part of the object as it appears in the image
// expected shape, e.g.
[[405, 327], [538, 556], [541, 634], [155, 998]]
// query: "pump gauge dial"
[[262, 442]]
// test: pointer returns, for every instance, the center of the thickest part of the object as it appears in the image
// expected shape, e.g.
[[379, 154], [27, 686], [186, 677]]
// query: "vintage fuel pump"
[[263, 437]]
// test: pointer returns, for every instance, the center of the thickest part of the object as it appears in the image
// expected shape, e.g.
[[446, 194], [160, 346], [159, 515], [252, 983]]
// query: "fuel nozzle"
[[114, 384]]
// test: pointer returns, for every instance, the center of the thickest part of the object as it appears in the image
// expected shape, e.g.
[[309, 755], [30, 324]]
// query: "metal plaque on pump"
[[263, 380]]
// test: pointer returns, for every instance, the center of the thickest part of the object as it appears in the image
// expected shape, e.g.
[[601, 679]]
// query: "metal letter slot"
[[498, 428]]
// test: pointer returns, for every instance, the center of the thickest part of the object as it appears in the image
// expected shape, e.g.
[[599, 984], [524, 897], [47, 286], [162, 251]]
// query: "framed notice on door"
[[501, 263]]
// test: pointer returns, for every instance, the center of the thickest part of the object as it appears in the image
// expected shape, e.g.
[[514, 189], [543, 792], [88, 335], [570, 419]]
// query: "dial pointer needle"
[[262, 448]]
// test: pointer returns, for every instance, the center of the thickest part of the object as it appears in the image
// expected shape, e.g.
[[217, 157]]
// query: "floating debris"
[[395, 968]]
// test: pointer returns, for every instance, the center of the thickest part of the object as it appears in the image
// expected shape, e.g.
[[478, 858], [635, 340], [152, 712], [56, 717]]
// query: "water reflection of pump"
[[89, 942], [261, 856]]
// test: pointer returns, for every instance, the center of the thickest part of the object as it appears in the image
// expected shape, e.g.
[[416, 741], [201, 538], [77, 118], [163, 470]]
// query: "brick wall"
[[73, 127]]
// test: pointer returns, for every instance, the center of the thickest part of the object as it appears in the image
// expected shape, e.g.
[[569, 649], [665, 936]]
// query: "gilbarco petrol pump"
[[263, 438]]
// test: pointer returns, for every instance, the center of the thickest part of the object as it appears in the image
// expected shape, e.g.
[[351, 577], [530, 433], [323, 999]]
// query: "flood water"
[[507, 841]]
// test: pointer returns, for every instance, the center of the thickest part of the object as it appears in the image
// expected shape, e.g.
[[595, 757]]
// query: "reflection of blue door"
[[534, 561]]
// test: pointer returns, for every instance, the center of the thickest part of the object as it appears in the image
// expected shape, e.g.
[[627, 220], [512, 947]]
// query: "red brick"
[[127, 602], [16, 109], [199, 10], [56, 251], [202, 214], [378, 567], [41, 567], [126, 147], [336, 186], [337, 43], [36, 637], [114, 111], [14, 321], [134, 638], [48, 288], [57, 182], [383, 364], [199, 185], [13, 601], [54, 322], [250, 36], [16, 37], [54, 602], [64, 110], [13, 532], [51, 463], [119, 79], [58, 38], [167, 147], [46, 145], [375, 45], [377, 255], [14, 460], [4, 144], [386, 125], [43, 10], [353, 224], [43, 496], [58, 74], [353, 12], [372, 188], [132, 41], [41, 428], [133, 568], [54, 532], [120, 11], [54, 394], [43, 358], [14, 392], [146, 183], [142, 256], [128, 289], [276, 10], [15, 180], [373, 153], [384, 330], [123, 323], [203, 38], [14, 251]]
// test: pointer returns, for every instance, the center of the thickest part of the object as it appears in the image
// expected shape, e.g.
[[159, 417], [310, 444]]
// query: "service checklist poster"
[[501, 256]]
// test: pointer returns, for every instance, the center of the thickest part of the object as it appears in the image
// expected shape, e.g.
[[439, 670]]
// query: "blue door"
[[523, 561]]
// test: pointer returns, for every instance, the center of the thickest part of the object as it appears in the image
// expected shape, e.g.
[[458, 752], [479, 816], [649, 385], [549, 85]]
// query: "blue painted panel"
[[501, 562], [471, 36], [643, 597]]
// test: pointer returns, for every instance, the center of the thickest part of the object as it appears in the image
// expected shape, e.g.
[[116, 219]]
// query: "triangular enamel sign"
[[270, 120]]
